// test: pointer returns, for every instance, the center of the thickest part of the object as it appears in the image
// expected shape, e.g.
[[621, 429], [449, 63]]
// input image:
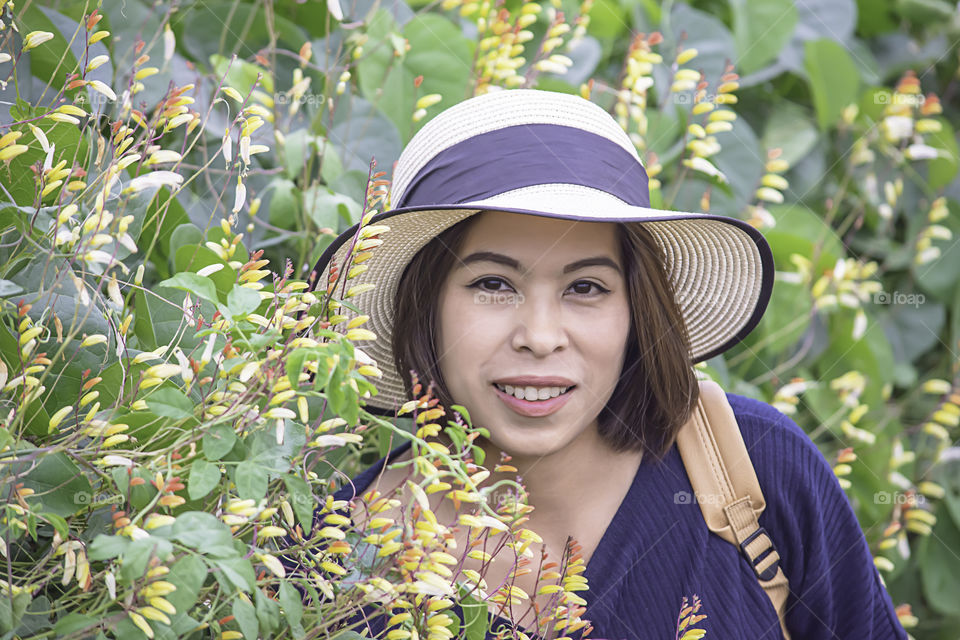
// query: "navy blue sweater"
[[657, 549]]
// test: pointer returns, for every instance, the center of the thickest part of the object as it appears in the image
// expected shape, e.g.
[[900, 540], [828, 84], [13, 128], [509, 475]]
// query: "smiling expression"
[[538, 302]]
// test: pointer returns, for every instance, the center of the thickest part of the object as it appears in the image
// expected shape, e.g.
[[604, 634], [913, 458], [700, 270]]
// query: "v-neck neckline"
[[602, 563]]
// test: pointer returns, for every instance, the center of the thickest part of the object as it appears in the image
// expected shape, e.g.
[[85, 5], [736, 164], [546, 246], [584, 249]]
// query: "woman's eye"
[[584, 287], [488, 281]]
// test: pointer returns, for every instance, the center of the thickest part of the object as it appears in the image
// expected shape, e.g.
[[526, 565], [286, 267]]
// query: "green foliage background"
[[860, 201]]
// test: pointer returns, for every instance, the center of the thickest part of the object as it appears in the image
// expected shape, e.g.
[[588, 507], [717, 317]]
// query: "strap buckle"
[[769, 572]]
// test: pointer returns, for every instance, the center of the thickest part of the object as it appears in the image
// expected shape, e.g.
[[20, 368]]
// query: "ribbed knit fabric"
[[657, 549]]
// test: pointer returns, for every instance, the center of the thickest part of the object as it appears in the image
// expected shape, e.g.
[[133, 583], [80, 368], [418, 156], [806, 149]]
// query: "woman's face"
[[519, 314]]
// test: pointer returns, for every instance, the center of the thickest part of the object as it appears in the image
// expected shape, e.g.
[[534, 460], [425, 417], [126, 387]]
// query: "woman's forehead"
[[527, 242], [522, 229]]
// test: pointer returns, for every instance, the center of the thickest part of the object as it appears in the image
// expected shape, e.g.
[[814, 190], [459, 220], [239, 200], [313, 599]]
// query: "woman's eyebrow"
[[507, 261]]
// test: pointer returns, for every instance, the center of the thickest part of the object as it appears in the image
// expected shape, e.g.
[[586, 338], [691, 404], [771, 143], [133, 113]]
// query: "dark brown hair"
[[657, 389]]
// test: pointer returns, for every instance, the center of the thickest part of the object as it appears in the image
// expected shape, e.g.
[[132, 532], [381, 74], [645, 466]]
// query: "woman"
[[525, 274]]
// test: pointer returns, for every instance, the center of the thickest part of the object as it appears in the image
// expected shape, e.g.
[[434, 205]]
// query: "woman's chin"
[[525, 444]]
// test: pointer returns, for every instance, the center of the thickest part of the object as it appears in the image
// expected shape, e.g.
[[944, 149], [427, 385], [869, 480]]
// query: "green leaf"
[[143, 324], [274, 457], [218, 440], [203, 532], [246, 617], [137, 555], [871, 355], [608, 20], [284, 204], [105, 547], [292, 608], [164, 214], [251, 480], [791, 130], [802, 231], [301, 499], [268, 613], [59, 484], [12, 610], [954, 334], [170, 402], [225, 27], [786, 319], [53, 60], [926, 11], [942, 171], [761, 29], [294, 364], [912, 329], [474, 618], [240, 74], [239, 573], [8, 288], [875, 17], [833, 19], [203, 478], [188, 574], [194, 257], [184, 235], [73, 622], [834, 79], [327, 208], [242, 301], [350, 635], [704, 32], [196, 285], [59, 525], [940, 565], [438, 51]]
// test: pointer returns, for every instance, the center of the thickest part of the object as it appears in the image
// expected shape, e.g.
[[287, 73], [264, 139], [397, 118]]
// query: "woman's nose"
[[540, 327]]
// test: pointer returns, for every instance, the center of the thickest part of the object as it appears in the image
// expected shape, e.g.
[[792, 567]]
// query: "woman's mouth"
[[533, 401], [532, 394]]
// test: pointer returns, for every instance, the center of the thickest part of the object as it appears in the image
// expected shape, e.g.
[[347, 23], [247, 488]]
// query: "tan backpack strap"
[[725, 486]]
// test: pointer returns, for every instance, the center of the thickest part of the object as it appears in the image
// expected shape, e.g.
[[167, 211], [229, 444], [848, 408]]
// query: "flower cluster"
[[925, 250], [703, 143], [631, 105], [503, 36]]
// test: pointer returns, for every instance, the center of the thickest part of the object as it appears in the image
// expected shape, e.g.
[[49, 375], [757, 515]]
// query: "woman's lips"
[[534, 408]]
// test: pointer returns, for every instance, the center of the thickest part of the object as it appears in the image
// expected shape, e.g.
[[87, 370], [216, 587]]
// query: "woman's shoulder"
[[794, 474], [767, 431]]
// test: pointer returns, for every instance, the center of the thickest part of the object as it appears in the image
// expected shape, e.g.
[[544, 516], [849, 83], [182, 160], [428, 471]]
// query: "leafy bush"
[[174, 406]]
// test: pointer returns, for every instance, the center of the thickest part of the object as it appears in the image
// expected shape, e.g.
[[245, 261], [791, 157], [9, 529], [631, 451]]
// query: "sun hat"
[[561, 156]]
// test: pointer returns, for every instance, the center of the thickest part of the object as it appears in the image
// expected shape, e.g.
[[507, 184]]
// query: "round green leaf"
[[203, 478], [170, 403]]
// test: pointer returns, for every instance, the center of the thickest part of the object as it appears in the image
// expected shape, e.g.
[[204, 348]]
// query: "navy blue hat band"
[[495, 162]]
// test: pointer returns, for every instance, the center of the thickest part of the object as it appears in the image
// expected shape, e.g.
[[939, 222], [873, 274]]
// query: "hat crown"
[[500, 110]]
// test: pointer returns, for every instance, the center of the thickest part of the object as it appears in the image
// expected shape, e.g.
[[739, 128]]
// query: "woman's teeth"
[[532, 394]]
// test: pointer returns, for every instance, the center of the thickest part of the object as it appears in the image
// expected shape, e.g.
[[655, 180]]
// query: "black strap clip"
[[769, 572]]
